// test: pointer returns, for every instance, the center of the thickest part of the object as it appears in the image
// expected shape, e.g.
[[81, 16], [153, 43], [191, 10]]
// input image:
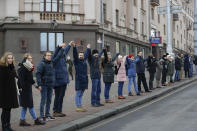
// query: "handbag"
[[117, 69]]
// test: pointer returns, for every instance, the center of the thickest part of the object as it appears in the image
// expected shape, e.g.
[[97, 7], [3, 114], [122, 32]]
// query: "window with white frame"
[[51, 5], [49, 40], [117, 47]]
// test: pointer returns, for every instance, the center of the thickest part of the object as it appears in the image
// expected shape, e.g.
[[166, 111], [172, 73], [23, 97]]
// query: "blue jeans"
[[191, 70], [133, 80], [59, 97], [46, 96], [31, 111], [78, 98], [96, 91], [177, 74], [107, 89], [120, 87]]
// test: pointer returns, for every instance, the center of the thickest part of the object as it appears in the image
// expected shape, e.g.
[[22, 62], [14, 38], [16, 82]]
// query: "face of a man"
[[48, 56], [181, 55], [81, 56], [95, 55], [140, 53]]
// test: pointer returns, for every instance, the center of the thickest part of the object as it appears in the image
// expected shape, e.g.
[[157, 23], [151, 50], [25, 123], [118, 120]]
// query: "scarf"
[[28, 65]]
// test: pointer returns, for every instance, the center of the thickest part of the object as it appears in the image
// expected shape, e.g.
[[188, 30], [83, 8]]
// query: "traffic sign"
[[173, 9]]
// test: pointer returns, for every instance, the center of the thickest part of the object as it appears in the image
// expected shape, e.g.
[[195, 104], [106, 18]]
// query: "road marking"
[[132, 111]]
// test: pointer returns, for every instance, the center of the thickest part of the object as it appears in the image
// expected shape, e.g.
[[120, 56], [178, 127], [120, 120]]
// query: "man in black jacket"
[[164, 71], [140, 69]]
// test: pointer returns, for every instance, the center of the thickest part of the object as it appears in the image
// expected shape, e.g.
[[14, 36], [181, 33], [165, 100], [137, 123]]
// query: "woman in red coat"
[[8, 90]]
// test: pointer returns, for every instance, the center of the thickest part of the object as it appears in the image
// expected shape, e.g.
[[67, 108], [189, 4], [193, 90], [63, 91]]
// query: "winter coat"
[[108, 74], [165, 66], [60, 66], [182, 62], [8, 91], [45, 75], [94, 63], [151, 67], [70, 65], [159, 69], [131, 67], [25, 82], [121, 76], [81, 80], [140, 67], [170, 68], [186, 62], [178, 63], [195, 60]]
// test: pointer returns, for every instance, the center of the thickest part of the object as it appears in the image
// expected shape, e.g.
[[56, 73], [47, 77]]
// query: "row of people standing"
[[52, 74]]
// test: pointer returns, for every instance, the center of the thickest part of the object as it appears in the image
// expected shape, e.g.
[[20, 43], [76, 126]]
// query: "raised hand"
[[89, 46], [72, 43]]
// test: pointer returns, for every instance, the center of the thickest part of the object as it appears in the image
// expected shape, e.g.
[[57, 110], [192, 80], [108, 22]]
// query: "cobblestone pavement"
[[69, 106]]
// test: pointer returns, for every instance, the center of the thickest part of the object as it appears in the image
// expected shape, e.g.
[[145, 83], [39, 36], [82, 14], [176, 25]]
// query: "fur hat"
[[94, 51]]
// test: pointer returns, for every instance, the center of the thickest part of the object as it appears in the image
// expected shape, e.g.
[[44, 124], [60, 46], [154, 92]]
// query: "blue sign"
[[155, 40]]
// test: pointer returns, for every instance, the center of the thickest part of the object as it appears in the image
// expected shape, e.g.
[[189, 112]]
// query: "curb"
[[106, 113]]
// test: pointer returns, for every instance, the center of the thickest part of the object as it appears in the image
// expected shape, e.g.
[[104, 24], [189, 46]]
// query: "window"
[[105, 11], [127, 49], [51, 5], [158, 18], [159, 33], [143, 28], [135, 2], [117, 46], [49, 40], [173, 44], [152, 13], [164, 29], [135, 24], [177, 29], [142, 4], [117, 17]]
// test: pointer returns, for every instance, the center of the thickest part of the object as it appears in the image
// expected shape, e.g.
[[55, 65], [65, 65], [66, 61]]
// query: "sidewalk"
[[69, 105]]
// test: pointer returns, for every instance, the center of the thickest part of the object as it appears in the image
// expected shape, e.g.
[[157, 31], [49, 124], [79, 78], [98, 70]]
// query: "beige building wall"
[[133, 22]]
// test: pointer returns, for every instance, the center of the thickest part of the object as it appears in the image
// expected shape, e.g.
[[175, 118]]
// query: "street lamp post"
[[169, 31], [102, 22]]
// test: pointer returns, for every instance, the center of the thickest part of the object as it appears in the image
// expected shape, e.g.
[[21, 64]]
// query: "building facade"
[[38, 25]]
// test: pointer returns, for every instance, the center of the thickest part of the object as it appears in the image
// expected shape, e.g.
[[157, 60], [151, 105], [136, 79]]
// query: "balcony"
[[155, 3], [175, 17], [52, 16]]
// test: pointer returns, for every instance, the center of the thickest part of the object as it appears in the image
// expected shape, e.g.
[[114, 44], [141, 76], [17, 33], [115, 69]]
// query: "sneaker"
[[39, 122], [121, 97], [50, 118], [109, 101], [24, 123], [130, 94], [100, 104], [58, 114], [138, 94], [80, 109]]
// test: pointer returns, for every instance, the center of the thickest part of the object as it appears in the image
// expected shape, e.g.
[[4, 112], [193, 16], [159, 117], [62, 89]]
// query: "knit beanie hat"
[[130, 55]]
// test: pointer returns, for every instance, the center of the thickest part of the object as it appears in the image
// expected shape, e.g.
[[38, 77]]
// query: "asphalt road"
[[177, 112]]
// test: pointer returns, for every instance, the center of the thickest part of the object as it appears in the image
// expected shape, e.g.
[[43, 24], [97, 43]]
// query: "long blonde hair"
[[4, 59]]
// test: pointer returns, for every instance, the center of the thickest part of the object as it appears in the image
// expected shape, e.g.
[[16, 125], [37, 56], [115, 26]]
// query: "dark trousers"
[[71, 74], [151, 79], [163, 81], [142, 78], [5, 117], [59, 97], [186, 73]]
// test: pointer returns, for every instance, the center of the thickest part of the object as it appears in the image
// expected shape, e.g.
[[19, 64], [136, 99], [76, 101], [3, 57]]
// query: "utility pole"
[[169, 30], [195, 27], [102, 23]]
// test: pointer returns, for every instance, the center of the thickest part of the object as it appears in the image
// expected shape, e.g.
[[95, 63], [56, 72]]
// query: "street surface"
[[177, 112]]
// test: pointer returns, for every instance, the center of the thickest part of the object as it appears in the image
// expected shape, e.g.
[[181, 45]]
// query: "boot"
[[39, 122], [7, 127], [24, 123]]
